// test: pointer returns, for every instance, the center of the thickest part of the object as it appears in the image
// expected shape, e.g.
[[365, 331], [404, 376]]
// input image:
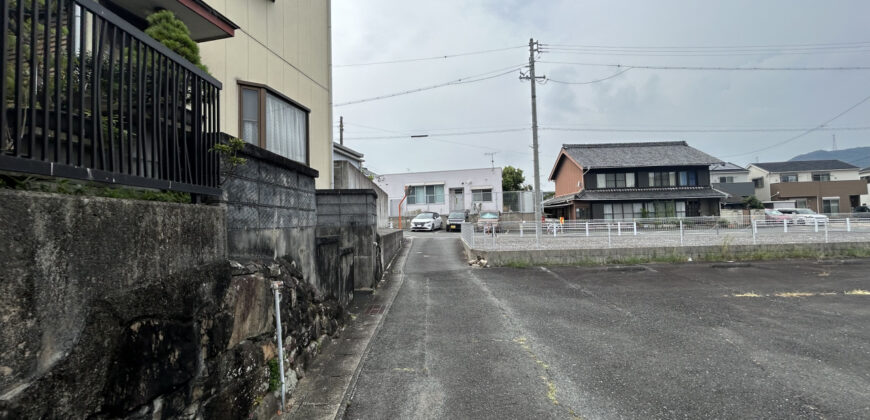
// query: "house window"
[[831, 205], [481, 195], [688, 178], [822, 177], [800, 203], [726, 179], [788, 178], [426, 194], [271, 121], [758, 182], [662, 179]]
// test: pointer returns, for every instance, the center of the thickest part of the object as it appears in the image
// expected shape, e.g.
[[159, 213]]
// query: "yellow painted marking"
[[404, 370], [748, 294], [824, 274], [859, 292], [794, 294]]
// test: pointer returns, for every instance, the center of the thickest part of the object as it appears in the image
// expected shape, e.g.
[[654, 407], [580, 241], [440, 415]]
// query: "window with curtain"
[[273, 122], [426, 194], [481, 195]]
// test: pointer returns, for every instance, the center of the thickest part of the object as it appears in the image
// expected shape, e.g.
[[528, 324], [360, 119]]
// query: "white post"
[[609, 244], [634, 225], [785, 225], [848, 225], [618, 228], [816, 224], [754, 232], [472, 235], [681, 232], [587, 228], [554, 229], [826, 232], [278, 332]]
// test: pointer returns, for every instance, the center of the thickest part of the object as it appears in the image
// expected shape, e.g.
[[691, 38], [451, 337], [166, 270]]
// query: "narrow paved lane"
[[779, 339], [448, 350]]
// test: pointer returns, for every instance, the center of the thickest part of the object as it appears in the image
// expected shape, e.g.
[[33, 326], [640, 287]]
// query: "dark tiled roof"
[[633, 155], [638, 194], [727, 167], [805, 165]]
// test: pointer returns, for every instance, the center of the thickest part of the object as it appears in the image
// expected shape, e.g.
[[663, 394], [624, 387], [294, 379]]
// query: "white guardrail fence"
[[664, 232]]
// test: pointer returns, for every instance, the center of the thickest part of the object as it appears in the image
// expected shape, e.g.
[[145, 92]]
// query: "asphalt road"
[[768, 340]]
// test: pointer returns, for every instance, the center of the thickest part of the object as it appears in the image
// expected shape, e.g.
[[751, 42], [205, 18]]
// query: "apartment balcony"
[[89, 96]]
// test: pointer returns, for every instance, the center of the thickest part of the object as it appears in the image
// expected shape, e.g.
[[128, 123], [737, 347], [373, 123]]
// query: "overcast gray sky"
[[644, 99]]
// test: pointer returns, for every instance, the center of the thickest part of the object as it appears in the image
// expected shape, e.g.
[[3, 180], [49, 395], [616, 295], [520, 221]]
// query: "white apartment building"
[[474, 190]]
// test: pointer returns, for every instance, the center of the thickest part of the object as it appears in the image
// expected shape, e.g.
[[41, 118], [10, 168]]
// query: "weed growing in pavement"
[[517, 264]]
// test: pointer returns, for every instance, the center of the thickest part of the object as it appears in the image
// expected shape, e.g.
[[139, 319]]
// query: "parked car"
[[861, 212], [430, 221], [488, 221], [455, 220], [774, 216], [803, 216]]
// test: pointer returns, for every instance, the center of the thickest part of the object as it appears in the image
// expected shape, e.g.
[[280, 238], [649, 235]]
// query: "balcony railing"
[[88, 96]]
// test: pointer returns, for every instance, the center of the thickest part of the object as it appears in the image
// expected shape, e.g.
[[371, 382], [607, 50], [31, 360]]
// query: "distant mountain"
[[858, 156]]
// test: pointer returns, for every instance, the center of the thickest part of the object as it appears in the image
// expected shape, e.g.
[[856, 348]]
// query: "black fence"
[[86, 95]]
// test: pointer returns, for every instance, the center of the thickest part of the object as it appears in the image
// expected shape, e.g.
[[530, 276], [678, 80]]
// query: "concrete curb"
[[399, 278], [603, 256]]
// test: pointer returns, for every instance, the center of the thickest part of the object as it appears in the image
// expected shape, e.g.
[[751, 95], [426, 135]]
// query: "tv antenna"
[[491, 158]]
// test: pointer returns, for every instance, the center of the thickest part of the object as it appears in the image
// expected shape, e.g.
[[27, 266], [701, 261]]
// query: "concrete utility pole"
[[341, 130], [533, 46]]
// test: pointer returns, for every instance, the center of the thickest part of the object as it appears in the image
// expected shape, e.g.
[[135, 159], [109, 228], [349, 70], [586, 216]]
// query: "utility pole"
[[834, 136], [341, 130], [533, 48]]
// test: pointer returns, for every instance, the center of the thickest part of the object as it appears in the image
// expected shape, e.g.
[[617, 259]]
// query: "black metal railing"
[[86, 95]]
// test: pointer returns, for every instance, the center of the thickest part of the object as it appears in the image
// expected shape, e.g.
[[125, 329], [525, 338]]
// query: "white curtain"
[[286, 128]]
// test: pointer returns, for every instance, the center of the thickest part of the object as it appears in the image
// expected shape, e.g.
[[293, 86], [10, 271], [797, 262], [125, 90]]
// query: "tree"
[[752, 203], [512, 179], [173, 33]]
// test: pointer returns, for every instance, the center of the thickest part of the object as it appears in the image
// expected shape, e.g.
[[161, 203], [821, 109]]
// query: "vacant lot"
[[767, 340]]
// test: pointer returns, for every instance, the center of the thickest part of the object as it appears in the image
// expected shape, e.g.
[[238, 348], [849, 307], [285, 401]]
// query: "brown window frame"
[[262, 90]]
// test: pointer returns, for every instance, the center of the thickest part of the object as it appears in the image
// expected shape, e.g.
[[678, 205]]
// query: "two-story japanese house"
[[632, 180]]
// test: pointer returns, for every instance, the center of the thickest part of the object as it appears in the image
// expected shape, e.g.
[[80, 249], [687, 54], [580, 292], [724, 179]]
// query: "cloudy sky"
[[466, 121]]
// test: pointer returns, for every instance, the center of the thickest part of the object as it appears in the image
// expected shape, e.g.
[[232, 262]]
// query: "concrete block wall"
[[271, 210], [349, 177], [351, 215]]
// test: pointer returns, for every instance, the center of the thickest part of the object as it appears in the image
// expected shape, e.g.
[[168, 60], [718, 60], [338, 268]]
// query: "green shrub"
[[173, 33]]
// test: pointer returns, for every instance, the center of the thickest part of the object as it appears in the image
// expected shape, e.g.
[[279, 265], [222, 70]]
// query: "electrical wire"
[[721, 47], [460, 81], [699, 53], [713, 68], [816, 128], [591, 81], [439, 57], [700, 130]]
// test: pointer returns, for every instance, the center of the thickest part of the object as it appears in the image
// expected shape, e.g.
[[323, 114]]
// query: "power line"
[[714, 68], [457, 134], [438, 57], [464, 80], [702, 130], [741, 47], [689, 53], [816, 128], [591, 81]]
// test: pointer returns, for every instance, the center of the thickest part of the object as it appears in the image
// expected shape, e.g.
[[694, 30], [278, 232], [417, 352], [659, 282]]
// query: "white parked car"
[[804, 216], [426, 221]]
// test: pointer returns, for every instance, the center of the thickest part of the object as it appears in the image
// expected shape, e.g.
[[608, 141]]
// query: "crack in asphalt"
[[520, 338]]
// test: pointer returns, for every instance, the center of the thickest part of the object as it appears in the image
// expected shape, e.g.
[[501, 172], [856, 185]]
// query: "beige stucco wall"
[[286, 45]]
